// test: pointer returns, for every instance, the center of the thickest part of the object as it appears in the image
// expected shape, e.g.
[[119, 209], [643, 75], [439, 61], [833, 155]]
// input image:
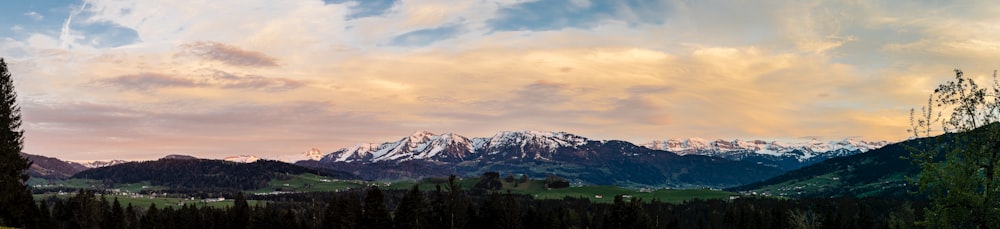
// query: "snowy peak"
[[98, 164], [543, 145], [525, 140], [242, 158], [359, 152], [313, 154], [803, 149], [425, 145]]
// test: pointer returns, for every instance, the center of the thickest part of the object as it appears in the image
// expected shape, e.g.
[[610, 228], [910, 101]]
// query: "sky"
[[137, 80]]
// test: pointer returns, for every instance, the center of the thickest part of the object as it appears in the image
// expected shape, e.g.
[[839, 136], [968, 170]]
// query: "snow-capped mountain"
[[313, 154], [786, 155], [538, 154], [721, 147], [242, 158], [98, 164], [451, 147]]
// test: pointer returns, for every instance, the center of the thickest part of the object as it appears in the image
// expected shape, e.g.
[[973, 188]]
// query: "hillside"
[[202, 174], [785, 155], [52, 168], [880, 172]]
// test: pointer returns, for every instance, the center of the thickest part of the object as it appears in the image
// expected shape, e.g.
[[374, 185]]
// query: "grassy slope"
[[160, 202], [89, 184], [313, 183], [535, 188], [879, 172]]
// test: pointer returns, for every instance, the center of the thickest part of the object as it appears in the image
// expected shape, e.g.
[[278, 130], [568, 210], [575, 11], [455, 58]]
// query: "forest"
[[449, 206]]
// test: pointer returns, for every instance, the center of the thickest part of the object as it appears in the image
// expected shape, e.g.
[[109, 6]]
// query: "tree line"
[[449, 206]]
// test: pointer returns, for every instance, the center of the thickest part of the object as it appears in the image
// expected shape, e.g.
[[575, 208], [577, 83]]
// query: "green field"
[[534, 188], [147, 201], [90, 184], [309, 183], [317, 183]]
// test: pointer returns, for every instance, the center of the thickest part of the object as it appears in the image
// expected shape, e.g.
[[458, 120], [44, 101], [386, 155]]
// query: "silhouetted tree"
[[489, 181], [17, 208], [959, 173], [343, 212], [410, 212], [241, 212], [375, 215], [116, 219], [553, 181], [44, 216], [131, 219], [151, 218]]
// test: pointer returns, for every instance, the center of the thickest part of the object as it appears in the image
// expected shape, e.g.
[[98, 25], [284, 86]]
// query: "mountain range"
[[52, 168], [539, 153], [879, 172], [784, 155], [670, 163]]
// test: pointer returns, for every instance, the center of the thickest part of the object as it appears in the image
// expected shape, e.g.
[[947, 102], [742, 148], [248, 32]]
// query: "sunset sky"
[[135, 80]]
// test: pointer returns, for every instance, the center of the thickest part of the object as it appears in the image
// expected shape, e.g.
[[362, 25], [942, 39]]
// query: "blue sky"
[[102, 79]]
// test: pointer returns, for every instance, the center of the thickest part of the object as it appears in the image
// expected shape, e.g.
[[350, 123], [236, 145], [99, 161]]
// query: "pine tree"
[[375, 215], [151, 218], [410, 212], [241, 212], [45, 216], [16, 204], [131, 217], [117, 216]]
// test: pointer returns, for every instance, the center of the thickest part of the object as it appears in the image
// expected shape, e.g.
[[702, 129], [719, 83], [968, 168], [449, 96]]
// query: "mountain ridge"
[[202, 173], [454, 148], [537, 154]]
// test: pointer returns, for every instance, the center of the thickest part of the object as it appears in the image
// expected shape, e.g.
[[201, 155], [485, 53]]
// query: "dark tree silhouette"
[[960, 175], [17, 208], [241, 212], [410, 212], [375, 215]]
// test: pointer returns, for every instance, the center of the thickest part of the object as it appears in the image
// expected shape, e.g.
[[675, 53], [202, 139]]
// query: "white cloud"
[[714, 69], [581, 3], [34, 15]]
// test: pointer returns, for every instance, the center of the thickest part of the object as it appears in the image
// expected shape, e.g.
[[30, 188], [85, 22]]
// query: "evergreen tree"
[[86, 210], [44, 216], [17, 208], [410, 211], [131, 217], [458, 205], [240, 212], [343, 212], [375, 214], [959, 172], [117, 216]]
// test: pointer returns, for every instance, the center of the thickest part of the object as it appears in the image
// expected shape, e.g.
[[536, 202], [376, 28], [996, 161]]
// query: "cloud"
[[206, 78], [366, 8], [148, 81], [228, 80], [557, 14], [222, 129], [107, 35], [227, 54], [34, 15], [426, 36], [541, 93]]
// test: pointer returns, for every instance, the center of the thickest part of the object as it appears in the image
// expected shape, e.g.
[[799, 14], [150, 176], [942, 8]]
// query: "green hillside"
[[534, 188], [881, 172]]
